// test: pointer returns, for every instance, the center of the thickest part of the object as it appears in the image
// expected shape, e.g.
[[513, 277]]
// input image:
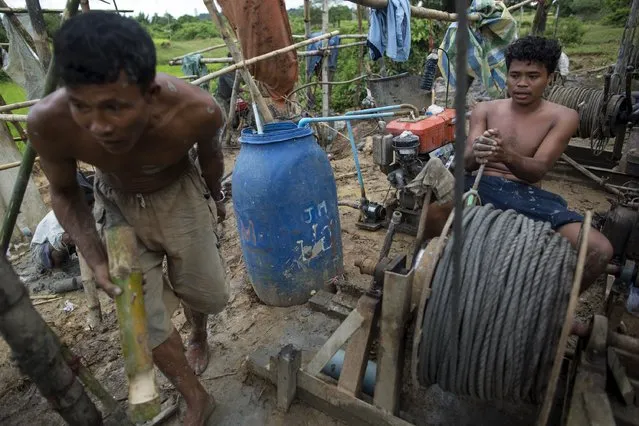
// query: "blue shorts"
[[526, 199]]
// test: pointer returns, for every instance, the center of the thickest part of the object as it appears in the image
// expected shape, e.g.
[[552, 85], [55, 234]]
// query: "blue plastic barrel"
[[285, 202]]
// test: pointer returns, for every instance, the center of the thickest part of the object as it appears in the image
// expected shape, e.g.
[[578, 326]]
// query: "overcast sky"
[[175, 8]]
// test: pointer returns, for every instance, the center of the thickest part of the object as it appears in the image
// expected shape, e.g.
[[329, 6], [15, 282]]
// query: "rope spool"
[[516, 283], [589, 104]]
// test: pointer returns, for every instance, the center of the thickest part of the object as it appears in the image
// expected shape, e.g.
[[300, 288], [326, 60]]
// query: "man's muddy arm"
[[533, 169], [210, 155], [478, 126]]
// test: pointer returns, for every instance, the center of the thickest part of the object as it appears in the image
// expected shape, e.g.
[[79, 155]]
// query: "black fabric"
[[225, 86]]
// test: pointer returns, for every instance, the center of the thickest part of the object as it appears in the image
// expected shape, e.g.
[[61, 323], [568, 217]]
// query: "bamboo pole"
[[360, 62], [343, 37], [37, 352], [14, 117], [232, 107], [28, 157], [307, 33], [6, 9], [256, 59], [13, 165], [438, 15], [41, 37], [124, 268], [94, 314], [236, 54], [206, 49], [18, 105], [325, 70]]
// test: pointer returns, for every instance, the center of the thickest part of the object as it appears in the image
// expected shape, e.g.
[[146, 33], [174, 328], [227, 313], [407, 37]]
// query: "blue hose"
[[334, 369]]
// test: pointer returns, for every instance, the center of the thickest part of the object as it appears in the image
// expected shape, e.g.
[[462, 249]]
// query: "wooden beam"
[[395, 308], [335, 342], [621, 378], [18, 105], [356, 356], [172, 61], [324, 396]]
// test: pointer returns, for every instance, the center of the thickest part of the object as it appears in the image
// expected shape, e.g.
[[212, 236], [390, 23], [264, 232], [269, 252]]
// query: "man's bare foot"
[[197, 354], [198, 413]]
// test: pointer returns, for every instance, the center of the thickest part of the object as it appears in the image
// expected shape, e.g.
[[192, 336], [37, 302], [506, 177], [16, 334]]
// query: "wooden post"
[[395, 309], [29, 155], [325, 79], [236, 53], [289, 361], [228, 131], [360, 59], [307, 34], [94, 314], [121, 244], [41, 38], [37, 352]]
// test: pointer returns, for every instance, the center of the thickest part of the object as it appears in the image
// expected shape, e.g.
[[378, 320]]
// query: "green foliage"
[[337, 14], [195, 30], [571, 31], [618, 17]]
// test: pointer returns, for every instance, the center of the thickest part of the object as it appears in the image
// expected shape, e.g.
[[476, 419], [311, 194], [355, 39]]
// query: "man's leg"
[[599, 251], [170, 359], [197, 348]]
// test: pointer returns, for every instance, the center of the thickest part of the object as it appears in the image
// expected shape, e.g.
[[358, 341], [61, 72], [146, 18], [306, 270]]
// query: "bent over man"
[[519, 140], [136, 128]]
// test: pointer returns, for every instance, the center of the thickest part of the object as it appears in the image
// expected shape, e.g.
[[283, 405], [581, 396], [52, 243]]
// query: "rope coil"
[[516, 282]]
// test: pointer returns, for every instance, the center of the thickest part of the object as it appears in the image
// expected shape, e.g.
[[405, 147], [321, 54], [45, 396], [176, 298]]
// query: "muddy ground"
[[246, 325]]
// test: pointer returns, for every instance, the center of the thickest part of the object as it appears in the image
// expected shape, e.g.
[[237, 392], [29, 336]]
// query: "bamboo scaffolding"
[[247, 62], [438, 15], [232, 108], [237, 55], [25, 10], [40, 35], [325, 70]]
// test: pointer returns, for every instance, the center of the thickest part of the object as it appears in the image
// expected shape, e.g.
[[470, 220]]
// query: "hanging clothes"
[[191, 65], [261, 27], [312, 62], [488, 39], [389, 31]]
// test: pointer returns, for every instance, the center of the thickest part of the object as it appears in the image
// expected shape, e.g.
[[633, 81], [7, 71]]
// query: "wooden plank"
[[356, 357], [598, 409], [395, 309], [326, 397], [621, 378], [289, 361], [335, 342]]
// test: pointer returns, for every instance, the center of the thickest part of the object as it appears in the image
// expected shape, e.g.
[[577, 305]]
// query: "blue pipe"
[[376, 109], [353, 115], [334, 369]]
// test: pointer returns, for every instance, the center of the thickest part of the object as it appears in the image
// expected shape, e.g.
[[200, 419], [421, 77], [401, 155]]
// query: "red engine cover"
[[433, 131]]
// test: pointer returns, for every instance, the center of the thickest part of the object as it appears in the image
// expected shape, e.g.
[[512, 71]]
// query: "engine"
[[403, 151]]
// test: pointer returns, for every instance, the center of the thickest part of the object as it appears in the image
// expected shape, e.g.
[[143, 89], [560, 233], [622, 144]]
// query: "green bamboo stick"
[[121, 243]]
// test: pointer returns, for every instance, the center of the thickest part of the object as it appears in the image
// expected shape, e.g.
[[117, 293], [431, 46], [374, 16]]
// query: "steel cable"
[[589, 104], [516, 281]]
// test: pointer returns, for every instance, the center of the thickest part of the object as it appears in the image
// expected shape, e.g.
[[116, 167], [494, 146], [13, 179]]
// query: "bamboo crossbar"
[[13, 117], [251, 61], [438, 15], [60, 11], [343, 37], [206, 49], [18, 105], [318, 52]]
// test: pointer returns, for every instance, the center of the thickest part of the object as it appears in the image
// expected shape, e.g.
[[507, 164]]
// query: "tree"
[[142, 19], [336, 14]]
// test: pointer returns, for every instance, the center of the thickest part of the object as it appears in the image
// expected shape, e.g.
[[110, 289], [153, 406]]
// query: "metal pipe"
[[334, 369], [307, 120]]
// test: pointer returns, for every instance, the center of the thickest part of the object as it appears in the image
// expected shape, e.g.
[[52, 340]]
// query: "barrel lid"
[[282, 131]]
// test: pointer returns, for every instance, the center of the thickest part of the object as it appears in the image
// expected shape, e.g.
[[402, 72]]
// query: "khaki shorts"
[[179, 223]]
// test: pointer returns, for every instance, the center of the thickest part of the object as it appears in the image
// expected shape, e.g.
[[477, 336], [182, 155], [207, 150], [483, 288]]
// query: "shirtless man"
[[136, 128], [529, 135]]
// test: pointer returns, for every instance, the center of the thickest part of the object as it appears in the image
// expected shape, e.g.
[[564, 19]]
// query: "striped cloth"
[[488, 40]]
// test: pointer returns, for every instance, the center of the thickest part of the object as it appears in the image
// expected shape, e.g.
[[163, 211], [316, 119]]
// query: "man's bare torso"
[[157, 159], [525, 131]]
